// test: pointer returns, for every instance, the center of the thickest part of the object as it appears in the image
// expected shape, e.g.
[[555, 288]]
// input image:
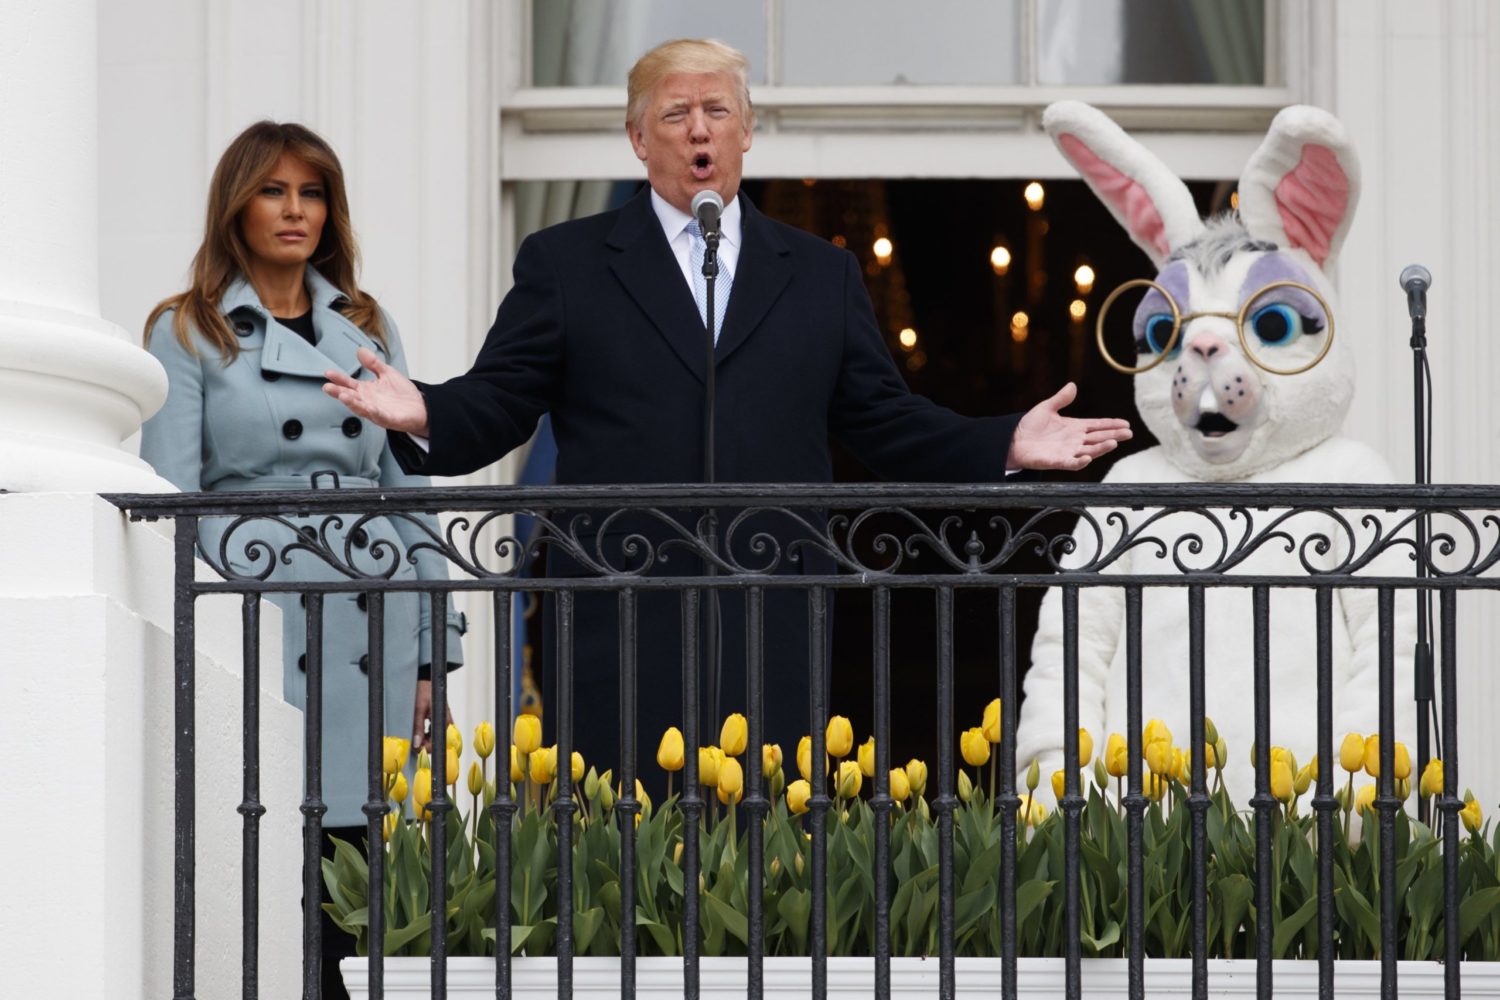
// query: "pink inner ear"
[[1130, 201], [1312, 199]]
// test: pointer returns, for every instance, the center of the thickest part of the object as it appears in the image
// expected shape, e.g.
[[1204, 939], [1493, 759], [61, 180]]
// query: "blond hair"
[[686, 55], [224, 255]]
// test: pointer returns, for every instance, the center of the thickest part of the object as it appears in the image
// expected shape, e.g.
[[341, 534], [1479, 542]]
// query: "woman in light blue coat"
[[274, 304]]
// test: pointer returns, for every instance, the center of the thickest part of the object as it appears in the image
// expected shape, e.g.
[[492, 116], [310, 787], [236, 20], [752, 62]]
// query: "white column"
[[72, 387]]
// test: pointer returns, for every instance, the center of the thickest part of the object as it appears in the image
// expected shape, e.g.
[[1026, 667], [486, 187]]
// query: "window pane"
[[897, 41], [581, 43], [1151, 41]]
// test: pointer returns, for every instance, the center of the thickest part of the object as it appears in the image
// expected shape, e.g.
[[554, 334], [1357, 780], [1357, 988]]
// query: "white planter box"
[[911, 978]]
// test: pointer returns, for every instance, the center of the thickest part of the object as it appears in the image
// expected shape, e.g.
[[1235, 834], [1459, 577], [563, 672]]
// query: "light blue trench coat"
[[263, 422]]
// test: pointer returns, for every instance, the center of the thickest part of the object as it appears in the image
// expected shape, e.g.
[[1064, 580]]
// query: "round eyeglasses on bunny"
[[1271, 317]]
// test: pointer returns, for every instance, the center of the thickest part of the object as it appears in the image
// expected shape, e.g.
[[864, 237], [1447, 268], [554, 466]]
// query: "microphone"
[[707, 207], [1415, 280]]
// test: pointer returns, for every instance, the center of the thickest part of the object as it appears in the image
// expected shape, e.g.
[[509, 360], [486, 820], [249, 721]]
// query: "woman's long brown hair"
[[223, 255]]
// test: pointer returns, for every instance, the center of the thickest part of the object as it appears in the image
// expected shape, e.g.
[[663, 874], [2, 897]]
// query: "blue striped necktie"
[[722, 284]]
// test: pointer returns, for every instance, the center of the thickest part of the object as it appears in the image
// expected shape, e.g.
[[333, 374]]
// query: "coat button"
[[302, 663], [291, 430], [243, 328], [364, 664], [269, 376], [352, 427], [360, 540], [362, 602]]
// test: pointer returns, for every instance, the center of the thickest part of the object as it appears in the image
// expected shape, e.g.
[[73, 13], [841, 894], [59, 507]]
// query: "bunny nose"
[[1208, 345]]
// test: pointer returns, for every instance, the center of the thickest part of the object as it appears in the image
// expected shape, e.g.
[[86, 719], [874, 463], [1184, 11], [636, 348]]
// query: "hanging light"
[[1084, 279], [1078, 309], [1000, 259], [1035, 195], [883, 249], [1020, 325], [908, 338]]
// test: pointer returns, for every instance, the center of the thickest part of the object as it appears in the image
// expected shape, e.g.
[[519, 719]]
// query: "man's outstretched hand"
[[1045, 439], [391, 400]]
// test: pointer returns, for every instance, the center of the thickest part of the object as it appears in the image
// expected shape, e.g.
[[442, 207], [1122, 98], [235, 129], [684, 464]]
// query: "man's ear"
[[637, 140]]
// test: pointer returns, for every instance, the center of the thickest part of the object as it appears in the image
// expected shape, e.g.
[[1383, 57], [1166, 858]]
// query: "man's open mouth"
[[702, 164], [1215, 425]]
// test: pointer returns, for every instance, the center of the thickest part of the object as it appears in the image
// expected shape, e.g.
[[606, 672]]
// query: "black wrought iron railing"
[[946, 540]]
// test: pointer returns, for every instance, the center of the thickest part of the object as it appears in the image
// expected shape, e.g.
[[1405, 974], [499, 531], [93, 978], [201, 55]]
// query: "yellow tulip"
[[731, 783], [1364, 798], [1033, 775], [606, 793], [577, 762], [527, 733], [1372, 755], [1313, 765], [484, 740], [388, 827], [1352, 753], [991, 723], [1432, 779], [804, 758], [1210, 758], [1030, 811], [1155, 786], [1210, 731], [1285, 756], [900, 786], [975, 748], [517, 772], [1403, 788], [1059, 783], [476, 778], [709, 760], [642, 798], [839, 737], [1472, 815], [965, 786], [542, 761], [669, 751], [1117, 756], [1156, 732], [1303, 780], [916, 776], [797, 794], [1085, 747], [455, 739], [1159, 757], [733, 735], [770, 759], [1221, 753], [398, 788], [850, 780], [1180, 768], [421, 792], [1281, 781], [677, 854], [452, 772], [866, 757], [396, 750], [1402, 762]]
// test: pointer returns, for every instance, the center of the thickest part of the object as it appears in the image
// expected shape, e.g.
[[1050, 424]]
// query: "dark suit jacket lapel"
[[651, 276], [765, 268]]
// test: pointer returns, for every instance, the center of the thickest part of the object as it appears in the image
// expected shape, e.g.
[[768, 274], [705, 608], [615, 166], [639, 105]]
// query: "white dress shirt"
[[674, 223]]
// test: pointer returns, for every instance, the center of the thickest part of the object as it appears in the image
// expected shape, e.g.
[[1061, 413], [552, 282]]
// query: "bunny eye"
[[1157, 335], [1278, 324]]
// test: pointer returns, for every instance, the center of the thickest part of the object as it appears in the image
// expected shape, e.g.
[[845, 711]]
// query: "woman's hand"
[[390, 400], [421, 739]]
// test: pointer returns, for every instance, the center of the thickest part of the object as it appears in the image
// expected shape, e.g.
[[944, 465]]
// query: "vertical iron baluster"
[[1324, 802], [1135, 801], [1263, 801], [1008, 799], [503, 809], [1451, 802], [1385, 794], [251, 807], [312, 806], [881, 802], [627, 804], [562, 806], [1198, 794], [819, 802], [440, 804], [1072, 802], [946, 801], [184, 762], [691, 802], [755, 796], [376, 805]]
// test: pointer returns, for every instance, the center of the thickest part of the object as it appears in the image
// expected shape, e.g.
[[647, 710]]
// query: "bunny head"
[[1254, 374]]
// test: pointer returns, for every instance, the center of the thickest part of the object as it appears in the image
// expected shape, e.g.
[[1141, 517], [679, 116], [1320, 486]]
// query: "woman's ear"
[[1300, 188], [1147, 199]]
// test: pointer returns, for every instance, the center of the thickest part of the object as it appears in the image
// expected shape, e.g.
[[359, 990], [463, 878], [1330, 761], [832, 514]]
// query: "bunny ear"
[[1300, 188], [1146, 198]]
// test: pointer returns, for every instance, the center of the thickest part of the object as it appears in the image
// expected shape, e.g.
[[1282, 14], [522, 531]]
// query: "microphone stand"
[[1422, 660], [711, 601]]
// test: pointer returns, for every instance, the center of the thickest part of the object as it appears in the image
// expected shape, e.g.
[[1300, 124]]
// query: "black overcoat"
[[600, 330]]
